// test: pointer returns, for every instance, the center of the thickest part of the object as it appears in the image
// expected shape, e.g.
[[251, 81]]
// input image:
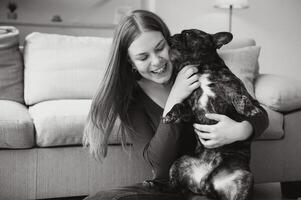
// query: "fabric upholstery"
[[239, 43], [278, 93], [63, 67], [243, 63], [42, 173], [275, 129], [11, 65], [61, 122], [16, 127]]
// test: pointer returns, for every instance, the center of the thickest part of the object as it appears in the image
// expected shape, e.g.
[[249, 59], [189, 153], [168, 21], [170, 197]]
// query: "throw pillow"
[[11, 65], [63, 66], [237, 43], [243, 62], [278, 93]]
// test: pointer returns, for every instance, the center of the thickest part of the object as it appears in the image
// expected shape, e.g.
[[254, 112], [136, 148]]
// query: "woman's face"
[[149, 54]]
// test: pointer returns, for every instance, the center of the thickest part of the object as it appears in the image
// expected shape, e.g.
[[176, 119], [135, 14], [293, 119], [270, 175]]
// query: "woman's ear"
[[134, 69], [130, 61], [222, 38]]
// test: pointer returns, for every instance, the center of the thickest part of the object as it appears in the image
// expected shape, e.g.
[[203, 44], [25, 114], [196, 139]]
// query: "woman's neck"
[[157, 92]]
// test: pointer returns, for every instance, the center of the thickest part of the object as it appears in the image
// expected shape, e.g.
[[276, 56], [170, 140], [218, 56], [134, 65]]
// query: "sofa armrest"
[[277, 92]]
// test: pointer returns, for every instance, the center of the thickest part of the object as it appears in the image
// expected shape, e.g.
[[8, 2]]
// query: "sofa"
[[46, 87]]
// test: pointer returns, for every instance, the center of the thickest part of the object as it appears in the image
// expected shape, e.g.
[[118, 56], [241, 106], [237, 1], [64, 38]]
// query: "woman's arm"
[[158, 145], [227, 131], [159, 142], [185, 83], [259, 122]]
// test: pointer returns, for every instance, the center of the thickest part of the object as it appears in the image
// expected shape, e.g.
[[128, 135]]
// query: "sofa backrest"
[[241, 56], [63, 67], [70, 67], [11, 65]]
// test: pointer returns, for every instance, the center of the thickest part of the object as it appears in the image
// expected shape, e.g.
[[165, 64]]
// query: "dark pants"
[[140, 192], [135, 192]]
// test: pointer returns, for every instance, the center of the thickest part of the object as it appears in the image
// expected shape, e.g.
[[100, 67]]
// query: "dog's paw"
[[148, 184], [245, 106], [254, 111], [159, 185], [168, 119], [176, 114]]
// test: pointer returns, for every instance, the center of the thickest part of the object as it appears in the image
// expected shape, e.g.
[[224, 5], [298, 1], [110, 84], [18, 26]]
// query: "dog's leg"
[[174, 114], [234, 185], [212, 159], [245, 106], [178, 112], [189, 172], [192, 196]]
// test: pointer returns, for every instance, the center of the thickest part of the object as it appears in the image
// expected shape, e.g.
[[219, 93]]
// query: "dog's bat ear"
[[222, 38], [175, 37], [172, 40], [174, 54]]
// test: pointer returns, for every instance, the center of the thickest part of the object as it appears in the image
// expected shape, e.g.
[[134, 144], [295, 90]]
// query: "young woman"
[[138, 90]]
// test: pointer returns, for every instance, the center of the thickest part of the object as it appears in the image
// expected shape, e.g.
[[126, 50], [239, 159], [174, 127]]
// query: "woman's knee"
[[111, 195], [133, 193]]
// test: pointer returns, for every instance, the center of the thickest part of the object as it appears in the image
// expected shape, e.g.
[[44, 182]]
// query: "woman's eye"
[[161, 47], [142, 58]]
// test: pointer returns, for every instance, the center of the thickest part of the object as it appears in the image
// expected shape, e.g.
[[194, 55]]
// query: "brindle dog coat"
[[223, 172]]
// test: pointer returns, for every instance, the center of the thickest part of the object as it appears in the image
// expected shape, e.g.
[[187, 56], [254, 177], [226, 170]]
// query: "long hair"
[[110, 104]]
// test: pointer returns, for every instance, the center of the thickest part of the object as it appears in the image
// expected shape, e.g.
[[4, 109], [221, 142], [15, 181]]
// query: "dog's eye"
[[187, 34]]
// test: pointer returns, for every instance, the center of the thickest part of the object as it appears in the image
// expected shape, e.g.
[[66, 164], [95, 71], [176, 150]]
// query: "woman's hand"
[[226, 131], [186, 82]]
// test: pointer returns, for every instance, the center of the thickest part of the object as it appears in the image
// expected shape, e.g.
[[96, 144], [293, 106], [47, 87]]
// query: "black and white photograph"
[[150, 100]]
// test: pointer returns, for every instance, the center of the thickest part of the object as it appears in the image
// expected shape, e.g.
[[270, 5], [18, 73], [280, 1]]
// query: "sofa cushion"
[[63, 67], [278, 93], [243, 62], [11, 65], [239, 43], [16, 127], [275, 129], [61, 122]]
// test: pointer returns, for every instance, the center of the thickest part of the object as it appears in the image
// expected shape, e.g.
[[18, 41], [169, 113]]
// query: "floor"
[[267, 191]]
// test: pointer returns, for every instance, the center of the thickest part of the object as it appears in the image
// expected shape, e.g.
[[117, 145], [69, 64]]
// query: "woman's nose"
[[156, 59]]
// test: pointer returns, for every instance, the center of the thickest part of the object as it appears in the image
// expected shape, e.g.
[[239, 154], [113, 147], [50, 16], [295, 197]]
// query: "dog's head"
[[194, 46]]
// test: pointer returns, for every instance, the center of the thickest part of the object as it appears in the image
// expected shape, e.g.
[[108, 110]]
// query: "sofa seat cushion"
[[61, 122], [16, 127], [275, 129]]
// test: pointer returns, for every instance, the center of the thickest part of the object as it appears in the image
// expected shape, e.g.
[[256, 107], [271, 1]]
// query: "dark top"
[[160, 144]]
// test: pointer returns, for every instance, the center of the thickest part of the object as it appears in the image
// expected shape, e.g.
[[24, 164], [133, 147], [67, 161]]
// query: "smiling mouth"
[[160, 70]]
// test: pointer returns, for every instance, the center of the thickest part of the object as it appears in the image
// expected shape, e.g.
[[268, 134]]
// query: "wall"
[[274, 24], [79, 17]]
